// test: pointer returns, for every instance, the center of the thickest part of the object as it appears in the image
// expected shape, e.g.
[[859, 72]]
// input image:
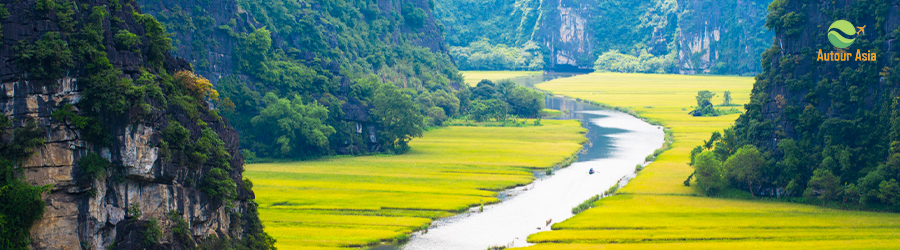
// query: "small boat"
[[591, 171]]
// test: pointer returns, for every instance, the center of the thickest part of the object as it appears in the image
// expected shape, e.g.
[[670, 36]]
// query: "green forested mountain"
[[684, 36], [823, 130], [314, 68], [307, 78]]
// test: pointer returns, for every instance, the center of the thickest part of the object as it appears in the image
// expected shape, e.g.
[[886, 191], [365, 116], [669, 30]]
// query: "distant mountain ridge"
[[720, 37]]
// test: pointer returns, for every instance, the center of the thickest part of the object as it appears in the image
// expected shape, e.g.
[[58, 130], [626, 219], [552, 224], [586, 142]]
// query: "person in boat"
[[591, 171]]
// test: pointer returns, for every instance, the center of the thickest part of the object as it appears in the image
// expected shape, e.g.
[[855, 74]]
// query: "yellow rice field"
[[656, 211], [362, 201]]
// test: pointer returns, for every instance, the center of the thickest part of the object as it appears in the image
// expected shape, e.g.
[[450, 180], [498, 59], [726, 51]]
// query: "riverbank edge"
[[668, 139], [404, 238]]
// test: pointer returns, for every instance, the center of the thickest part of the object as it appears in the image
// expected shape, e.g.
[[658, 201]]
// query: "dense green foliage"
[[482, 55], [22, 204], [831, 136], [48, 57], [496, 101], [293, 104], [508, 22], [295, 128], [704, 104], [613, 61], [93, 165]]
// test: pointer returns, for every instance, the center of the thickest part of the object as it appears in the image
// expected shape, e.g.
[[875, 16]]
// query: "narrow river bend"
[[618, 142]]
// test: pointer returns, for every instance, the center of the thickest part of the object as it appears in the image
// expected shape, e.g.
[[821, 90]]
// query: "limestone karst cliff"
[[97, 78], [818, 119], [690, 36], [722, 37]]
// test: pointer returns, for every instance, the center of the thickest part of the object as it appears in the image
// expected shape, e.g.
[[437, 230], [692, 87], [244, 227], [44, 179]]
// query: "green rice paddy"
[[656, 211]]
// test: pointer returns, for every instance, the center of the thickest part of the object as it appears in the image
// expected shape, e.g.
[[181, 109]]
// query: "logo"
[[841, 34]]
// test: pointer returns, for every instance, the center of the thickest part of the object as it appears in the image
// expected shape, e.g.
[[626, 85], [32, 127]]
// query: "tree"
[[414, 16], [712, 139], [49, 57], [484, 110], [436, 115], [704, 104], [889, 192], [708, 172], [290, 127], [823, 183], [726, 98], [746, 166], [525, 102], [396, 116], [704, 96], [485, 89], [613, 61]]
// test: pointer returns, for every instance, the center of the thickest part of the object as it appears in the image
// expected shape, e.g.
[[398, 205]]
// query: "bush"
[[745, 168], [414, 16], [91, 128], [180, 230], [134, 211], [93, 165], [152, 234], [160, 43], [587, 204], [47, 58], [709, 173], [823, 184], [127, 40], [218, 185]]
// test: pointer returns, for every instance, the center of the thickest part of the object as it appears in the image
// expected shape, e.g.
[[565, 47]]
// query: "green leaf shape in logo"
[[841, 34]]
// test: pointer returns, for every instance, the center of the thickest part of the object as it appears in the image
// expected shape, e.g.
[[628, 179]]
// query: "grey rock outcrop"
[[90, 213]]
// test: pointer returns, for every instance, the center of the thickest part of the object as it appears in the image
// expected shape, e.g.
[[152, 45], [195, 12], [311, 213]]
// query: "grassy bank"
[[655, 210], [473, 77], [362, 201]]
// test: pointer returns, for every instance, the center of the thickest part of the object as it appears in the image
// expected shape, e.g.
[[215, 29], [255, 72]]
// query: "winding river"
[[618, 142]]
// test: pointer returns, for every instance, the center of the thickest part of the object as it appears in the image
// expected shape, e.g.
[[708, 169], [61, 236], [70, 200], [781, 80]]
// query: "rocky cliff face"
[[91, 213], [566, 33], [723, 37], [198, 38]]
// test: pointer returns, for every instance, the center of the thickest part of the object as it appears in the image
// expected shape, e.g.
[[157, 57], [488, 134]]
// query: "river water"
[[618, 142]]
